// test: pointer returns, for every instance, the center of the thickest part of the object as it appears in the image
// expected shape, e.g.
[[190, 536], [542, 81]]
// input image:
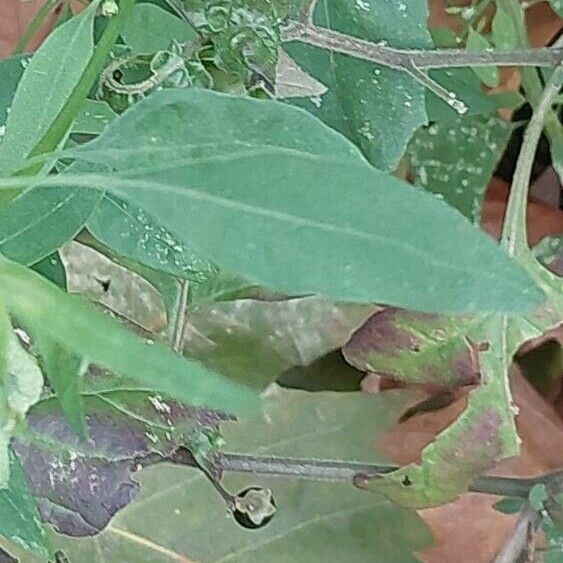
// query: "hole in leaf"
[[254, 507]]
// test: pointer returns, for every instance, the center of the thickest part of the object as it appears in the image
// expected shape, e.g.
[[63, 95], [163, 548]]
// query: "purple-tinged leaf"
[[80, 484], [415, 348]]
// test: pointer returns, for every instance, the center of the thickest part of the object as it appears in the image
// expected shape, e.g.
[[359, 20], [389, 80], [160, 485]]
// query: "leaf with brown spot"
[[415, 348]]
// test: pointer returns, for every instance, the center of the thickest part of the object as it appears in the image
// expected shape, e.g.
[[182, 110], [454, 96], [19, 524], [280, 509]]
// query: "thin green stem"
[[63, 121], [34, 26], [514, 237]]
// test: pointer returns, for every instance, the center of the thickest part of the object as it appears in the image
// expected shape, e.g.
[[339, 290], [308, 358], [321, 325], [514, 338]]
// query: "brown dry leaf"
[[543, 220], [543, 24], [15, 16], [469, 529]]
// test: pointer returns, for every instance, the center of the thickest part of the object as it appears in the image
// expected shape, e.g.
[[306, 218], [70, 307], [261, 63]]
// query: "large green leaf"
[[456, 159], [151, 29], [255, 341], [270, 193], [315, 521], [46, 85], [376, 107], [70, 322], [37, 221]]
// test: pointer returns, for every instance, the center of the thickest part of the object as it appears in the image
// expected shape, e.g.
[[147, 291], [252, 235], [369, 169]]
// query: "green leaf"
[[64, 371], [11, 71], [376, 107], [509, 505], [234, 178], [47, 83], [557, 6], [255, 341], [504, 30], [415, 348], [456, 159], [74, 325], [151, 29], [52, 268], [537, 496], [20, 389], [488, 75], [93, 118], [132, 233], [19, 520], [329, 522], [461, 81], [37, 222]]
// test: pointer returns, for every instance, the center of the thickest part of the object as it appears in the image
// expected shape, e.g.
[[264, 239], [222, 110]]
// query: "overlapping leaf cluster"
[[258, 205]]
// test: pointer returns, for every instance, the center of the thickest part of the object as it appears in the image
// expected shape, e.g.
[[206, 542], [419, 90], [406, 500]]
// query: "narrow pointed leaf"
[[248, 183], [74, 324], [64, 371], [53, 72]]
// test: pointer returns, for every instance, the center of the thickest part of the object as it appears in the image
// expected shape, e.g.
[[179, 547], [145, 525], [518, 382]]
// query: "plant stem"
[[178, 320], [514, 237], [530, 79], [316, 469], [307, 10], [327, 470], [517, 543], [414, 61], [62, 123], [404, 59]]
